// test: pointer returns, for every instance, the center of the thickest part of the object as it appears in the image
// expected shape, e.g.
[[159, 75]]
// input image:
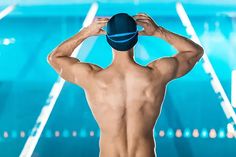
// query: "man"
[[125, 98]]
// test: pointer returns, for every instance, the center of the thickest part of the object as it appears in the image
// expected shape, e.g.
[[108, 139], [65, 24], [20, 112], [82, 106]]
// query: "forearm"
[[66, 48], [182, 44]]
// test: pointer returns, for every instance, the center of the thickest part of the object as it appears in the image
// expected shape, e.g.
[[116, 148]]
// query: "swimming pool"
[[192, 122]]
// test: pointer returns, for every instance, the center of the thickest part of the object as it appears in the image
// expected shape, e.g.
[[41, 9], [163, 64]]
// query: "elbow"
[[51, 57], [199, 51]]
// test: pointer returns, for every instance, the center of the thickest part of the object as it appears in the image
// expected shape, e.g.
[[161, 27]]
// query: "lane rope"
[[207, 66], [46, 111]]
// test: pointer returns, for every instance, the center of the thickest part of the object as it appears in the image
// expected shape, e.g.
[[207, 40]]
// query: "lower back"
[[126, 147]]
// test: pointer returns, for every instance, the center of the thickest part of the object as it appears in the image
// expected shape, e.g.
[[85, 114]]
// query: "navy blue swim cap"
[[122, 32]]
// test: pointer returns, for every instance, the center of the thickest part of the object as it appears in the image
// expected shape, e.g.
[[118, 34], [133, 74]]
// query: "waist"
[[121, 146]]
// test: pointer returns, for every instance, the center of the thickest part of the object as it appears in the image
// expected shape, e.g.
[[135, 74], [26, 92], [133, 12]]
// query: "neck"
[[122, 58]]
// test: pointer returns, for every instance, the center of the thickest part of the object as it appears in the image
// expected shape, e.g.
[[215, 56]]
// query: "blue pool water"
[[26, 80]]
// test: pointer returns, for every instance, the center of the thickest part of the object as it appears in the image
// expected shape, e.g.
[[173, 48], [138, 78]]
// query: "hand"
[[149, 26], [95, 28]]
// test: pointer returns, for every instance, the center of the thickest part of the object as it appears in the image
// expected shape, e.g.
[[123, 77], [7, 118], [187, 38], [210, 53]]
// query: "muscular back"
[[126, 103], [126, 100]]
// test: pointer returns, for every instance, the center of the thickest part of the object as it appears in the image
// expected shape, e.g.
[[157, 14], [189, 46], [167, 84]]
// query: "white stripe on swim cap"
[[122, 34]]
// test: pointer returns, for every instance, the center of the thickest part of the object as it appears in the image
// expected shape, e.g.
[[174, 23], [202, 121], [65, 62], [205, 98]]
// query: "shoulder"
[[164, 63], [84, 73], [166, 66]]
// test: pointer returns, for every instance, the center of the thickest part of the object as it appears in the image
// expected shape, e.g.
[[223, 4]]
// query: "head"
[[122, 32]]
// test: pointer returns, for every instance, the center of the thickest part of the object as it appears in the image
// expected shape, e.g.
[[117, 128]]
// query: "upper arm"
[[72, 70], [166, 66], [176, 66], [186, 61]]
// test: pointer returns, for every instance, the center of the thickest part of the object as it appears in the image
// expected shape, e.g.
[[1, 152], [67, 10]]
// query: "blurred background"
[[198, 114]]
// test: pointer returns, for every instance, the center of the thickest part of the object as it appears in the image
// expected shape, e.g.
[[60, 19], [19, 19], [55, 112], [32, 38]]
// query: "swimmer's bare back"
[[126, 98]]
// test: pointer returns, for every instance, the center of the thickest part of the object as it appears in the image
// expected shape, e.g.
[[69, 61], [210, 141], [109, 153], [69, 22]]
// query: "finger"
[[139, 15], [102, 19], [143, 20], [106, 17], [143, 14], [102, 24], [143, 24]]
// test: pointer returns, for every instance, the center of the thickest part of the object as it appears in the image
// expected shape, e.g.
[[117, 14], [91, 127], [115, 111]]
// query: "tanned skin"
[[126, 98]]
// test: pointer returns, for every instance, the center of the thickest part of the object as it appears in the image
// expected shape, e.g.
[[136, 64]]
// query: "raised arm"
[[188, 51], [70, 68]]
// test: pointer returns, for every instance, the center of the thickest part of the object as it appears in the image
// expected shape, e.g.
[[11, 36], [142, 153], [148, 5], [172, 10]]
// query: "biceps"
[[186, 62]]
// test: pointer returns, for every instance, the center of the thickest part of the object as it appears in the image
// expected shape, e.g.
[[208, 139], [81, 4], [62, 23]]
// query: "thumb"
[[142, 32], [102, 31]]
